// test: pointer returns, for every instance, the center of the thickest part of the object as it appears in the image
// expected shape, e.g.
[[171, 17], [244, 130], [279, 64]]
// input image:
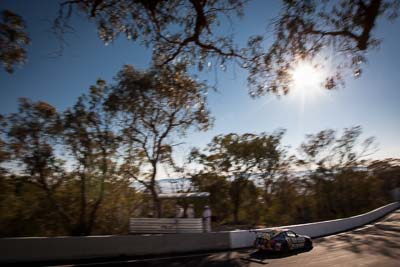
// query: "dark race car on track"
[[281, 240]]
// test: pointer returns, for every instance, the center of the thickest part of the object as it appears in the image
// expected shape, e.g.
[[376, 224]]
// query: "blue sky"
[[371, 101]]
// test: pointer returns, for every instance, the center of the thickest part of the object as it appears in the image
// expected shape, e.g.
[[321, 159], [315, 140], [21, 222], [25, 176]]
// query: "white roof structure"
[[184, 195]]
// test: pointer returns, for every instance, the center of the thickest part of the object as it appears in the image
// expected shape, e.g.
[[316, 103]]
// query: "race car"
[[282, 240]]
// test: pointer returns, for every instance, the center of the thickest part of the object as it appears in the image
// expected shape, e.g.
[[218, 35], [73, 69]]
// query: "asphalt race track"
[[376, 244]]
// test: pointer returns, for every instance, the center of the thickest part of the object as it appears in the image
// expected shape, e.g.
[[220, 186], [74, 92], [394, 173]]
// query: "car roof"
[[282, 230], [267, 230], [276, 230]]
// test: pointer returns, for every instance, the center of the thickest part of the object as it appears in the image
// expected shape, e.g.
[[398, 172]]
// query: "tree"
[[327, 152], [273, 161], [155, 107], [13, 40], [110, 136], [38, 136], [283, 202], [91, 139], [121, 202], [311, 31], [32, 135], [181, 29], [185, 31], [241, 158], [4, 154], [388, 171], [66, 162], [336, 171], [218, 187]]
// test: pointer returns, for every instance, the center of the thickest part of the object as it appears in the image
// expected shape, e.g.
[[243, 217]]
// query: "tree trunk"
[[66, 221], [93, 213], [157, 212], [156, 201], [80, 229], [236, 197], [236, 212]]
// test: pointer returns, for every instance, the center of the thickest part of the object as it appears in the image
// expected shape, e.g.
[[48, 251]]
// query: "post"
[[207, 219]]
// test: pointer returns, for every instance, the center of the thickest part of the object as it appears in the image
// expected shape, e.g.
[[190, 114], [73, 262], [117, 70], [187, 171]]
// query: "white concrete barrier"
[[245, 238], [69, 248]]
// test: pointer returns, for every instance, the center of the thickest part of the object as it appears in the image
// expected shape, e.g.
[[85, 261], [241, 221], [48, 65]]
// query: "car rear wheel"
[[308, 244], [285, 248]]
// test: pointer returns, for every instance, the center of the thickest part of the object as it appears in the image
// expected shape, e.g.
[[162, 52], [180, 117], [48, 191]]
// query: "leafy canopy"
[[13, 40], [333, 36], [185, 31]]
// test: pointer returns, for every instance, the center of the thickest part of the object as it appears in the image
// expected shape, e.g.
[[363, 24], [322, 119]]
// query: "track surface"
[[376, 244]]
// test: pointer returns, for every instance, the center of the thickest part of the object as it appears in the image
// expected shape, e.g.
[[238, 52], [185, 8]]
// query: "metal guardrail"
[[165, 225]]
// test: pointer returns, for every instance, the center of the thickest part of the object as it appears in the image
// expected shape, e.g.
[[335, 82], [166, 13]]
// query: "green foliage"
[[13, 40], [238, 158], [90, 138], [71, 172], [25, 210], [121, 202], [336, 179], [178, 30], [329, 153], [116, 134], [155, 107], [186, 31], [218, 187], [311, 31]]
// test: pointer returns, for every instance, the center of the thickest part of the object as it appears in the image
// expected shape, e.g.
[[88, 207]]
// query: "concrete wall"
[[63, 248], [243, 238], [59, 248]]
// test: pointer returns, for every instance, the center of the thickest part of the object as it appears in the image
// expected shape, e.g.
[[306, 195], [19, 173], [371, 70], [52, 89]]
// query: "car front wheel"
[[308, 244], [285, 248]]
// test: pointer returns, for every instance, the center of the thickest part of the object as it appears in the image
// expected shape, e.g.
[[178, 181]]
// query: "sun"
[[306, 78]]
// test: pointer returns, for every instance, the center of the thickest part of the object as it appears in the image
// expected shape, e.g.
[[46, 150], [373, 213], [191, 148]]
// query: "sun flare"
[[306, 78]]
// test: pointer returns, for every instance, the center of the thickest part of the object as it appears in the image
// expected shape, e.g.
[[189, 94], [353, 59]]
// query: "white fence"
[[165, 225], [244, 238]]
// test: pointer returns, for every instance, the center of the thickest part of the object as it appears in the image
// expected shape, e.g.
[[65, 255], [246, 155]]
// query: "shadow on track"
[[262, 257], [201, 261], [383, 238]]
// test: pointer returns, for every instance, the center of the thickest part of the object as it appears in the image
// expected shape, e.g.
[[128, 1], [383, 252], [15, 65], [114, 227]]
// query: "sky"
[[371, 101]]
